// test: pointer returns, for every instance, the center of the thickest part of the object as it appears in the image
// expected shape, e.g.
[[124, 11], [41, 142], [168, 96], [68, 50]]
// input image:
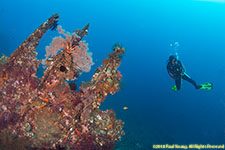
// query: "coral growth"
[[46, 113], [9, 141]]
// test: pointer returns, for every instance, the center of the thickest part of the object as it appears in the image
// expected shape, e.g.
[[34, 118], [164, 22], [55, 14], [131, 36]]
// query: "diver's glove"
[[206, 86], [174, 88]]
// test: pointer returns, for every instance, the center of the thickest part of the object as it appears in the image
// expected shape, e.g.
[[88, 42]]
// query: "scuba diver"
[[177, 72]]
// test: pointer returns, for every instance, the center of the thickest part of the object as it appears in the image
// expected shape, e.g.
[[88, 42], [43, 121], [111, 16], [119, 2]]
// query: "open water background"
[[146, 28]]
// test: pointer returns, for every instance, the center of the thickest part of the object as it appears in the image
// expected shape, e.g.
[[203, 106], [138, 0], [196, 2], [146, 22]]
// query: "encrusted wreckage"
[[47, 113]]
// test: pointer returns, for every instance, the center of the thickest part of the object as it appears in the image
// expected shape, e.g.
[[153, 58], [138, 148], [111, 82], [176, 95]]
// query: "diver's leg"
[[188, 78], [178, 83]]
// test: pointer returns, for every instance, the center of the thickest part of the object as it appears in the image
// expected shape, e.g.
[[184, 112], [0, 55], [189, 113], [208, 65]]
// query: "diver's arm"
[[171, 75], [169, 72]]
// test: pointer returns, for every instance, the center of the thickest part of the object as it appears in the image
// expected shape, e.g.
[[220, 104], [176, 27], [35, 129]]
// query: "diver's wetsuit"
[[177, 72]]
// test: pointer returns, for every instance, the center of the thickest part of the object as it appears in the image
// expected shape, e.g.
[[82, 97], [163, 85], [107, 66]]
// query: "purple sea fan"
[[79, 52], [55, 46], [82, 57]]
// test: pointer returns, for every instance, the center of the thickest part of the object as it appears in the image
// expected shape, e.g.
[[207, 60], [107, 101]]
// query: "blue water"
[[146, 28]]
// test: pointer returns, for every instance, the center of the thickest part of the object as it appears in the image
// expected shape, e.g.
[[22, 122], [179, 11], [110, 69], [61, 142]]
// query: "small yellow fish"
[[125, 108]]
